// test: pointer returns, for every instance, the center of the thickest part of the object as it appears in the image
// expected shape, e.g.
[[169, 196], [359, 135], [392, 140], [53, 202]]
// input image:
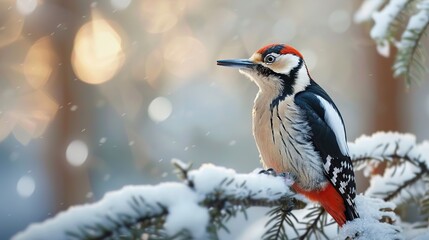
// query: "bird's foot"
[[268, 171], [288, 177]]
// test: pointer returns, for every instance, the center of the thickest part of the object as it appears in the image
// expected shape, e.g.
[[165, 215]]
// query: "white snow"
[[382, 145], [123, 207], [382, 21], [371, 210], [368, 227], [366, 10], [386, 145], [210, 178], [134, 202], [392, 178], [423, 236], [379, 146], [417, 23], [383, 47], [186, 212], [384, 18], [180, 204], [421, 152], [415, 231]]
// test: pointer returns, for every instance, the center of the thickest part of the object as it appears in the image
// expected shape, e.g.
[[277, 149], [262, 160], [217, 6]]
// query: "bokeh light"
[[161, 15], [73, 108], [11, 27], [25, 186], [185, 56], [154, 64], [77, 153], [97, 53], [27, 115], [96, 95], [120, 4], [39, 63], [102, 140], [160, 109], [26, 7]]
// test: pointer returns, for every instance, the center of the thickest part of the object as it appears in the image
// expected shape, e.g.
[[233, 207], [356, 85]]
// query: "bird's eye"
[[269, 59]]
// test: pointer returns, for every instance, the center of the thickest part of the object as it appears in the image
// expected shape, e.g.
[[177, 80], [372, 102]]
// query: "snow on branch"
[[383, 20], [312, 222], [369, 225], [409, 50], [201, 205], [406, 165], [390, 17], [365, 11], [188, 208]]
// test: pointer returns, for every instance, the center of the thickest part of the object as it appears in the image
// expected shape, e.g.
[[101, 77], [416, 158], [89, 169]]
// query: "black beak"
[[236, 63]]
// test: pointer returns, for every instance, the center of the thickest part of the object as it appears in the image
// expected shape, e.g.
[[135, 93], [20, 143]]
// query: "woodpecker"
[[299, 130]]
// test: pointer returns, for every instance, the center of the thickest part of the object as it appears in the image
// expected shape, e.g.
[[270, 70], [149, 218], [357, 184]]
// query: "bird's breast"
[[282, 137], [263, 133]]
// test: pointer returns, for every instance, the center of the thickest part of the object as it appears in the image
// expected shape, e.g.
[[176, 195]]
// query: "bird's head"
[[277, 68]]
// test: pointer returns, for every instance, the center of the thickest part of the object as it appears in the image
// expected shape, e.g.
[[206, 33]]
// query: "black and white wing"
[[328, 136]]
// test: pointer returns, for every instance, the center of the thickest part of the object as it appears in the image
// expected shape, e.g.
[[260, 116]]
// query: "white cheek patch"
[[333, 119], [286, 63]]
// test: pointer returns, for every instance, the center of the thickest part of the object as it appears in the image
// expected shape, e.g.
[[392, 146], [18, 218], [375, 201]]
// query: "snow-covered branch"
[[207, 197], [369, 225], [383, 19], [390, 147], [409, 45], [389, 21], [406, 165], [312, 222], [208, 192], [177, 206], [367, 8]]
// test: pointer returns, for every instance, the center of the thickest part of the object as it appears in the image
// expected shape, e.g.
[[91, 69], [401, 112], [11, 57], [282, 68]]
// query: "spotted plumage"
[[299, 130]]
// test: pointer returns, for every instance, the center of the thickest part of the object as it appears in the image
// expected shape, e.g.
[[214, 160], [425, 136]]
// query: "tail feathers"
[[332, 202], [351, 212]]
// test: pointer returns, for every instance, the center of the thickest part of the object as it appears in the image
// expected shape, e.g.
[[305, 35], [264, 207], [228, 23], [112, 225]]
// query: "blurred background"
[[95, 95]]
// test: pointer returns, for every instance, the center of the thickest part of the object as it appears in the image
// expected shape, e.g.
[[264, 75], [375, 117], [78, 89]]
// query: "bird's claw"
[[269, 171], [288, 177]]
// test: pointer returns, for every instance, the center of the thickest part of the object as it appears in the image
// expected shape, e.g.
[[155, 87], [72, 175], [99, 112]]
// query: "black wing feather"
[[325, 143]]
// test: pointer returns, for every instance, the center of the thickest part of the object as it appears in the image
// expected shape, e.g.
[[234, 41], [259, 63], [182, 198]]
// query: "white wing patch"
[[332, 118]]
